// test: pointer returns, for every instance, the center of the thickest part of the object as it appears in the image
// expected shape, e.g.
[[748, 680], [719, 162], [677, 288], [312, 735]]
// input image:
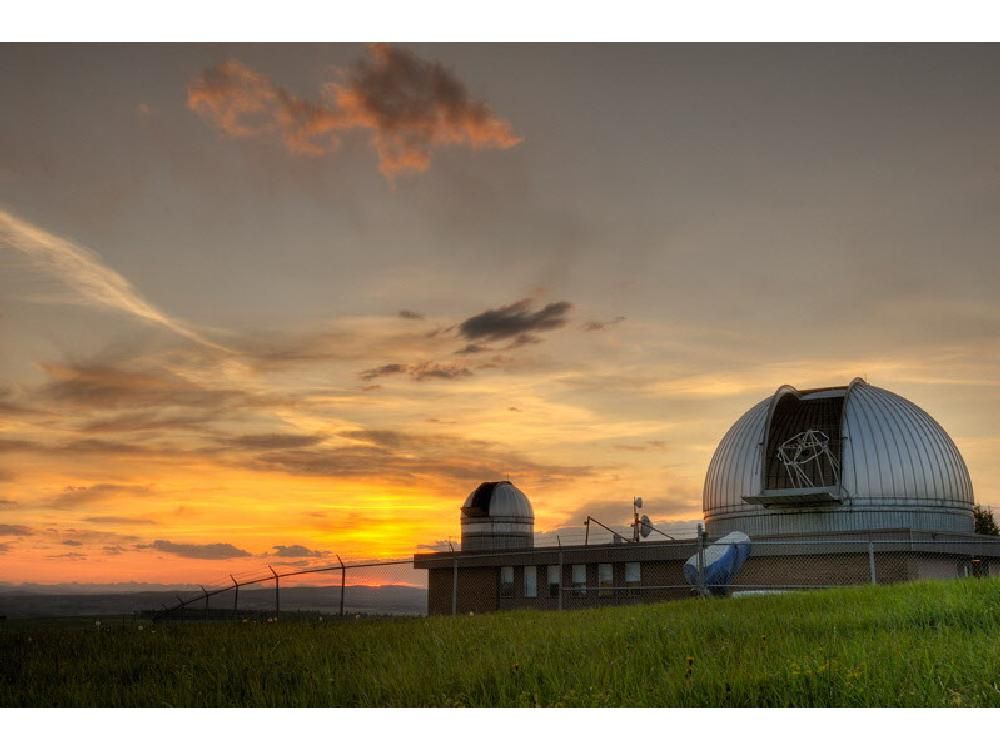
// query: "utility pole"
[[277, 593], [559, 542], [206, 600], [343, 581], [701, 560], [236, 596], [636, 504], [454, 580]]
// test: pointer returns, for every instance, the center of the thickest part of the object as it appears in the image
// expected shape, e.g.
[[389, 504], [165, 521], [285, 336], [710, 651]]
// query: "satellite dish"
[[638, 502], [645, 526]]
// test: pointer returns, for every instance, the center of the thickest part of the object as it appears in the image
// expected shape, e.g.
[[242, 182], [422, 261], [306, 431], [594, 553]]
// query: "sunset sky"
[[271, 304]]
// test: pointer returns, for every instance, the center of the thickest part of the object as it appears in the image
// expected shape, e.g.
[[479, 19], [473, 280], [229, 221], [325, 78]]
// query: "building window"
[[506, 582], [605, 579], [530, 581], [579, 580], [633, 578], [553, 577]]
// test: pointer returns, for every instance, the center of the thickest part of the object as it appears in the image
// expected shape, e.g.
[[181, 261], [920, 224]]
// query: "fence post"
[[454, 580], [236, 596], [343, 581], [559, 542], [701, 560], [277, 593], [871, 561]]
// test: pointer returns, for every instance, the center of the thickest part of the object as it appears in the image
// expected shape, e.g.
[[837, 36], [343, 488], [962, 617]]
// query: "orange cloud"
[[410, 105]]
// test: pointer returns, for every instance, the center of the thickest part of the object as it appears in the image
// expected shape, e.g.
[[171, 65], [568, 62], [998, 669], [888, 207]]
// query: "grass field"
[[921, 644]]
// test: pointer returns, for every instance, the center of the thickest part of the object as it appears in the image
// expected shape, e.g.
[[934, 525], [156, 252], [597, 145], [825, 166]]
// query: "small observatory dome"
[[497, 516], [845, 458]]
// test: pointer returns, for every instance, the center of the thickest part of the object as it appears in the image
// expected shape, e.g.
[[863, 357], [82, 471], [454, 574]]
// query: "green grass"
[[922, 644]]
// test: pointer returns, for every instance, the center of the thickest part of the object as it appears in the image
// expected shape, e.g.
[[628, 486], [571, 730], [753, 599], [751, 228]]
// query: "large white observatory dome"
[[497, 516], [847, 458]]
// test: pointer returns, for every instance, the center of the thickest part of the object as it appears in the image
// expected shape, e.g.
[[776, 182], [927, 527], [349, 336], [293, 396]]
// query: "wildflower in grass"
[[97, 623], [140, 627]]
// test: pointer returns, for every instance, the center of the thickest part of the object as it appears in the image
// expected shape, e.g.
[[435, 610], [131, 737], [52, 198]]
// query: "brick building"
[[577, 577]]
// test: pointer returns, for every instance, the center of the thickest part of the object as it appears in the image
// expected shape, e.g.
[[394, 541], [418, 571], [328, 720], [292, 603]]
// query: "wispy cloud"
[[410, 105], [395, 456], [271, 441], [119, 520], [420, 371], [601, 325], [74, 497], [84, 273]]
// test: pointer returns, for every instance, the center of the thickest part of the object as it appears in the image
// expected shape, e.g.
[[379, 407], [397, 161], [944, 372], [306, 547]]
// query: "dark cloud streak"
[[297, 550], [198, 551], [516, 322], [7, 529]]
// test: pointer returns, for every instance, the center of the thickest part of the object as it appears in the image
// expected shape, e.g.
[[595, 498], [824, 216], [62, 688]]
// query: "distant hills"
[[39, 600]]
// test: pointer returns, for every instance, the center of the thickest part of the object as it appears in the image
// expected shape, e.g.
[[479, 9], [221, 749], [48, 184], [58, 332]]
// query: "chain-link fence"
[[355, 588], [585, 575]]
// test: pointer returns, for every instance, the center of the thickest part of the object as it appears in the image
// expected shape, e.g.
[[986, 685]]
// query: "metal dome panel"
[[894, 449], [734, 470]]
